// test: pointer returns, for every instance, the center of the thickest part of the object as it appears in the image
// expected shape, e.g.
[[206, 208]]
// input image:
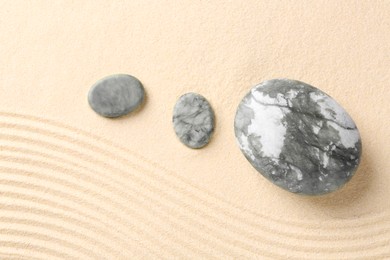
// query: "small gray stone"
[[193, 120], [116, 95], [298, 137]]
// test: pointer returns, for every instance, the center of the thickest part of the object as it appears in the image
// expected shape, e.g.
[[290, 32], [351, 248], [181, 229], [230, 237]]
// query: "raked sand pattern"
[[62, 197], [75, 185]]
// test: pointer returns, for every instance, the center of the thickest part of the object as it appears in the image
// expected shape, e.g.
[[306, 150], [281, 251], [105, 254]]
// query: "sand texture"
[[75, 185]]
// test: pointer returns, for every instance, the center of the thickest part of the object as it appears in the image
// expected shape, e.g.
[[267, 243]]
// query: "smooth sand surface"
[[77, 185]]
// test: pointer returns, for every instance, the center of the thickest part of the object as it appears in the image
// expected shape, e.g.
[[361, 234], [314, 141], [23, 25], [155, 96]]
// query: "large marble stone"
[[116, 95], [193, 120], [297, 137]]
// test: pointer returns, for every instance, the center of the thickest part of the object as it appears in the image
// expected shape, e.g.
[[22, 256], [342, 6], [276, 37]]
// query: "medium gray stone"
[[193, 120], [298, 137], [116, 95]]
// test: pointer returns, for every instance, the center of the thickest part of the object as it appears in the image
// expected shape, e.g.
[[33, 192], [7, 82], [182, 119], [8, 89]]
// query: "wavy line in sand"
[[301, 248], [343, 223], [63, 137], [33, 163], [87, 178]]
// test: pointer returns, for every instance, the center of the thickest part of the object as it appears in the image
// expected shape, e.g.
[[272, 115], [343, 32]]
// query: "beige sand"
[[73, 184]]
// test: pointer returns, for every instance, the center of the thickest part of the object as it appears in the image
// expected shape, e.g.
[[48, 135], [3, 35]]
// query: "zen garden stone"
[[193, 120], [116, 95], [297, 137]]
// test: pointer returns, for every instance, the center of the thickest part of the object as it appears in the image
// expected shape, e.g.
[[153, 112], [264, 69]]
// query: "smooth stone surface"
[[116, 95], [298, 137], [193, 120]]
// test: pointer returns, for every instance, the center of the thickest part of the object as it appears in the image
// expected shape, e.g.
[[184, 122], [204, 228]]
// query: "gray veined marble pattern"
[[298, 137], [193, 120], [116, 95]]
